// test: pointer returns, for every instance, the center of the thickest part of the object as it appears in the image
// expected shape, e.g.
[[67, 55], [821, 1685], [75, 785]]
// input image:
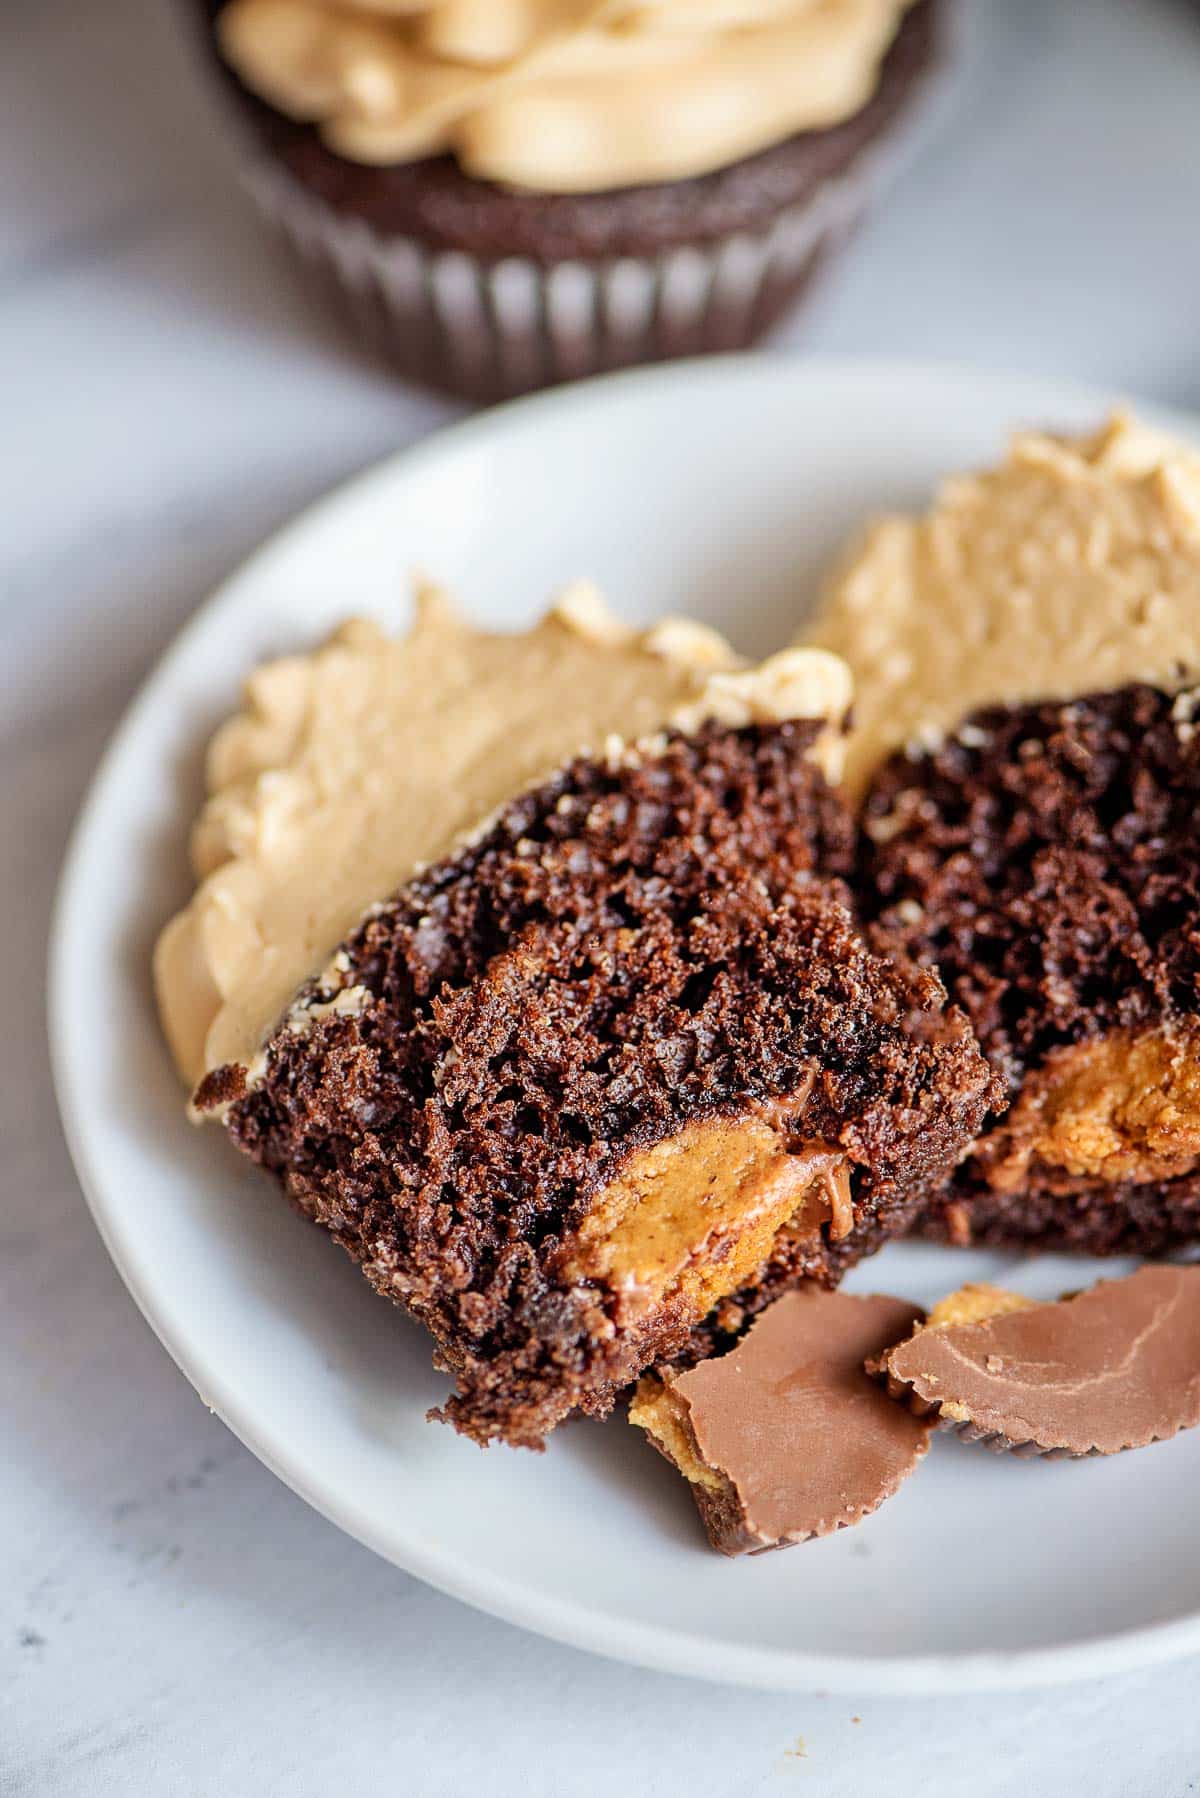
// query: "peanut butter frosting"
[[349, 768], [561, 96], [1074, 567]]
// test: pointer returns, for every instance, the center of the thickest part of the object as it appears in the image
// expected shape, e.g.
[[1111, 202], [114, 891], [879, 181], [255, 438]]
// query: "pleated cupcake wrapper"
[[489, 328], [486, 329]]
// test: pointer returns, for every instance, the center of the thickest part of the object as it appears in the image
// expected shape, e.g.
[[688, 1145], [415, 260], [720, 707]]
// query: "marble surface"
[[172, 1620]]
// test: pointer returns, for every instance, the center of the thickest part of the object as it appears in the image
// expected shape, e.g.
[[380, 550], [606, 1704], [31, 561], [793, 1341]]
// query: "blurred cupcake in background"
[[510, 193]]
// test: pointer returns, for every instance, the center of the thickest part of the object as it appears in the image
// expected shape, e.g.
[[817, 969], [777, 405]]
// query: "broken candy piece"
[[1113, 1368], [786, 1437]]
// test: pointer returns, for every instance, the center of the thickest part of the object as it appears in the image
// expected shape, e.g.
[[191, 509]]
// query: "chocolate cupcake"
[[611, 1065], [1046, 859], [1024, 750], [512, 195]]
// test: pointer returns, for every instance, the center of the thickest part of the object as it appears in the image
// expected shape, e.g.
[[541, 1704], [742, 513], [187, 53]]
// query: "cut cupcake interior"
[[616, 1056], [1046, 859], [1023, 752], [597, 1063], [349, 767]]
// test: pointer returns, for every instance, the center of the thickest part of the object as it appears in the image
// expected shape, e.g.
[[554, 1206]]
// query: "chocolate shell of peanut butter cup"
[[787, 1437], [1113, 1368]]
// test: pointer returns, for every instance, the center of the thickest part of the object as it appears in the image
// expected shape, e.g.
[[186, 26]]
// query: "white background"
[[172, 1621]]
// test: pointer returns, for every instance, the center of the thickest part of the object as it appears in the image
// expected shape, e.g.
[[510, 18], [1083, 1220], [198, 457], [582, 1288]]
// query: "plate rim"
[[662, 1648]]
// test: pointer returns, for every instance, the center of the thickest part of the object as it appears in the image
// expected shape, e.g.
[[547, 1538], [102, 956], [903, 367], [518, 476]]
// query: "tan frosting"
[[1071, 568], [349, 768], [561, 96]]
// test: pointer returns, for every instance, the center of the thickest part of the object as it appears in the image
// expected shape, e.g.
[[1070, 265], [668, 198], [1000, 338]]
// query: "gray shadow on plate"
[[631, 1472]]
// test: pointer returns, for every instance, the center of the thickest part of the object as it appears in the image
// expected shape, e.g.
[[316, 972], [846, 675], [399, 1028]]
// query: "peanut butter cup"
[[787, 1437], [1113, 1368]]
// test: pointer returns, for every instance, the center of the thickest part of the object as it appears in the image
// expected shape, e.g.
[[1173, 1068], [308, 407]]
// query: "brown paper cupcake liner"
[[488, 330]]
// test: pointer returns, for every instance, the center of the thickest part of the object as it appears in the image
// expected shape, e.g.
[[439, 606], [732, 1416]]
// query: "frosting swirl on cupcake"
[[561, 96]]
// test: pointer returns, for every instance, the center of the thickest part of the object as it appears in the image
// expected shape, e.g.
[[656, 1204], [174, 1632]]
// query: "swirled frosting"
[[561, 96]]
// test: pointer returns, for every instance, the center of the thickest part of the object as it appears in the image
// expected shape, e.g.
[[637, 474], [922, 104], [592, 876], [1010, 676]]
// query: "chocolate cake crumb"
[[1046, 859], [639, 944]]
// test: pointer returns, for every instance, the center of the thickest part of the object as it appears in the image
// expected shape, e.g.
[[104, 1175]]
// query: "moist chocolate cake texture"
[[622, 1065], [1046, 858]]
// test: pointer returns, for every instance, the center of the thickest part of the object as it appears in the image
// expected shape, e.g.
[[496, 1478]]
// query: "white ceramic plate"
[[720, 488]]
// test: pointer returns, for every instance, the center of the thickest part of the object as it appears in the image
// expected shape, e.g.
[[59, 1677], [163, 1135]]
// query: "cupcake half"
[[511, 194], [612, 1065], [1026, 752], [1047, 860]]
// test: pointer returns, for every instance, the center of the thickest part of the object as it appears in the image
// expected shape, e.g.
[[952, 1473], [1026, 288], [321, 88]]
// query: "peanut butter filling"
[[1124, 1108], [694, 1218], [658, 1410], [974, 1304]]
